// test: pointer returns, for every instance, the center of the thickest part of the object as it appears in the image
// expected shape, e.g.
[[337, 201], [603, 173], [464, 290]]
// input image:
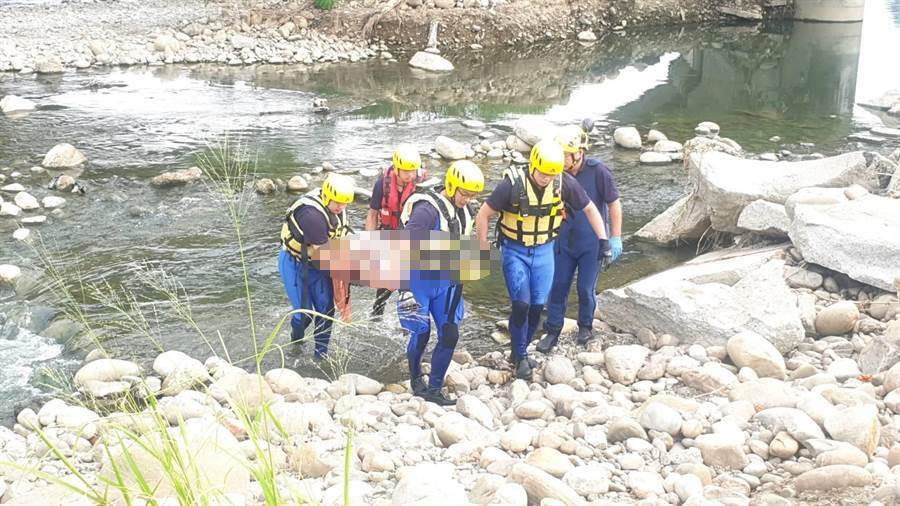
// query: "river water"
[[799, 82]]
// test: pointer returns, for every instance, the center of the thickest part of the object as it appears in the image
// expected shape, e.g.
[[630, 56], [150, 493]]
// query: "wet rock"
[[627, 137], [532, 130], [177, 177], [26, 201], [63, 156], [667, 146], [833, 477], [265, 186], [624, 361], [857, 425], [11, 104], [449, 148], [822, 234], [431, 62], [654, 158], [587, 36], [297, 184], [52, 202], [540, 485], [514, 143], [48, 64]]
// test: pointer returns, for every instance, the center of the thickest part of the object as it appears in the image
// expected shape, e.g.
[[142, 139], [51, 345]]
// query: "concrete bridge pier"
[[829, 10]]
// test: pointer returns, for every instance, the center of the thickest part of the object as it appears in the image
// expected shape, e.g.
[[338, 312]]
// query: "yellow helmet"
[[339, 188], [463, 174], [406, 157], [572, 139], [547, 157]]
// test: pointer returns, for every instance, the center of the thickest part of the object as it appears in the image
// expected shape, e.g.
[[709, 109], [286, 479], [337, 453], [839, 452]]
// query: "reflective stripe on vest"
[[392, 199], [449, 218], [532, 221], [291, 232]]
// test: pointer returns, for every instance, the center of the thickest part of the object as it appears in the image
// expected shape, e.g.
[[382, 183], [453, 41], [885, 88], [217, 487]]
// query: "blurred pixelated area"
[[393, 258]]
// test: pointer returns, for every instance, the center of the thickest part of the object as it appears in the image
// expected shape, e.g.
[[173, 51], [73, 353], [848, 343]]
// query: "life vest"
[[460, 223], [292, 233], [392, 199], [530, 220]]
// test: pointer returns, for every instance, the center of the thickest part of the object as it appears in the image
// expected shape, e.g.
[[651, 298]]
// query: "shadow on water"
[[797, 82]]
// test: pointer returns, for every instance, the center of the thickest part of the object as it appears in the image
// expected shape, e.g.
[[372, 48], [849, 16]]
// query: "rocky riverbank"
[[40, 38]]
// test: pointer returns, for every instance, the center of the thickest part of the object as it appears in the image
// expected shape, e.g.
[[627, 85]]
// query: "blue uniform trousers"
[[443, 303], [316, 294], [528, 271]]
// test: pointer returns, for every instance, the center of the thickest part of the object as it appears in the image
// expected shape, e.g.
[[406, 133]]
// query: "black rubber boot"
[[524, 369], [548, 342], [418, 386], [437, 397], [584, 335]]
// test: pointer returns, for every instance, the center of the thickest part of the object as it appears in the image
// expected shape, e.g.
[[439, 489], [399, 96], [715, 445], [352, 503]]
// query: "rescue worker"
[[578, 249], [392, 189], [443, 209], [531, 203], [310, 222]]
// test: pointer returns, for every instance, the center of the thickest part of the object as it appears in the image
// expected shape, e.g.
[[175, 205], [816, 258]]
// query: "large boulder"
[[627, 137], [686, 219], [12, 104], [710, 299], [533, 130], [449, 148], [765, 218], [726, 184], [851, 238], [63, 156], [430, 61]]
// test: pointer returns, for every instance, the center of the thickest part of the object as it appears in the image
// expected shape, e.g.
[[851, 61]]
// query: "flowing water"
[[799, 82]]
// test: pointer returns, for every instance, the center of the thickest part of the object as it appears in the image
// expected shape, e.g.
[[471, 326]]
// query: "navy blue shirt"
[[576, 232], [423, 217], [377, 193], [572, 194], [313, 224]]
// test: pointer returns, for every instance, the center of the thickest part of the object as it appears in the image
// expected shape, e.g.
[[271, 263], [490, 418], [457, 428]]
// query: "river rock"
[[177, 177], [540, 485], [842, 454], [764, 393], [627, 137], [532, 130], [48, 64], [857, 425], [667, 146], [832, 477], [793, 421], [63, 156], [106, 369], [300, 418], [454, 428], [169, 362], [709, 378], [285, 381], [201, 442], [823, 233], [764, 218], [429, 483], [837, 319], [783, 446], [587, 36], [660, 417], [624, 361], [449, 148], [748, 349], [710, 299], [166, 43], [297, 184], [12, 104], [722, 450], [590, 479], [265, 186], [550, 461], [646, 484], [654, 158], [361, 385], [558, 370], [52, 202], [26, 201], [531, 410], [686, 219], [9, 209], [9, 274], [726, 184], [623, 428], [431, 62], [802, 278], [514, 143], [473, 408], [518, 437]]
